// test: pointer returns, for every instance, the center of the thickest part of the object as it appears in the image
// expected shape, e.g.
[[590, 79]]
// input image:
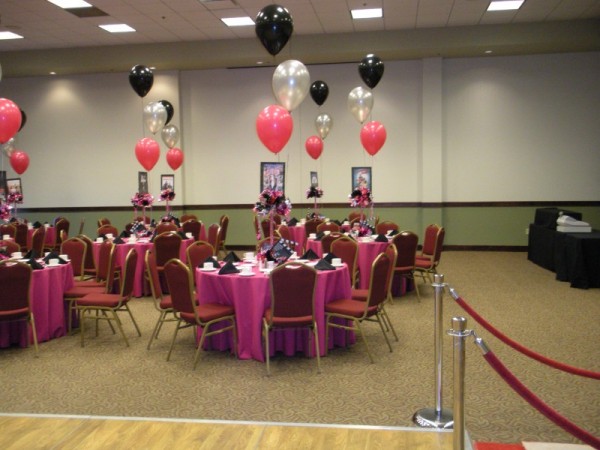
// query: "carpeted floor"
[[518, 297]]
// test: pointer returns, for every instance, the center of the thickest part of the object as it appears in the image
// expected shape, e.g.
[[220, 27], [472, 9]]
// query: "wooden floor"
[[84, 432]]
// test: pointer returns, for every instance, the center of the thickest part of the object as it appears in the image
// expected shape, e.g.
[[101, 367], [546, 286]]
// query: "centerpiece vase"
[[16, 209], [168, 207], [271, 226]]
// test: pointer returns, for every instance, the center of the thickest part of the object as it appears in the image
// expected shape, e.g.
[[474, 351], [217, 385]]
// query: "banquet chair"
[[21, 235], [61, 230], [328, 226], [8, 229], [107, 229], [277, 219], [427, 261], [9, 247], [186, 217], [81, 225], [346, 248], [103, 221], [406, 244], [162, 303], [110, 304], [292, 288], [386, 226], [311, 226], [37, 241], [214, 231], [265, 226], [164, 227], [356, 215], [104, 281], [166, 246], [328, 239], [283, 231], [144, 219], [75, 249], [359, 311], [264, 245], [15, 279], [224, 224], [192, 226], [89, 264], [191, 314], [197, 253]]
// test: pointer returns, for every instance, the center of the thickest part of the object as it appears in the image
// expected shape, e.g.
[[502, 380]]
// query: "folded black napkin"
[[37, 224], [228, 268], [54, 255], [393, 233], [34, 264], [293, 222], [381, 238], [310, 255], [31, 254], [118, 240], [324, 265], [320, 235], [212, 260], [337, 222], [103, 236], [329, 257], [125, 234], [231, 257], [182, 235]]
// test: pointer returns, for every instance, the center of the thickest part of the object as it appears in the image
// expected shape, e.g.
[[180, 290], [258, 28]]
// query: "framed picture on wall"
[[167, 182], [272, 176], [3, 183], [361, 177], [314, 179], [143, 182], [14, 186]]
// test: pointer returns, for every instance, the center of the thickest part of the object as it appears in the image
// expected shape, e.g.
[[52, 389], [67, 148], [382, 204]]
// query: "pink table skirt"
[[298, 235], [140, 287], [251, 296], [47, 288]]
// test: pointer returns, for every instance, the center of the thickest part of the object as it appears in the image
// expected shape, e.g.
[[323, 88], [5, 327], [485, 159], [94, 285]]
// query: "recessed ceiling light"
[[370, 13], [4, 35], [505, 5], [237, 21], [117, 28], [67, 4]]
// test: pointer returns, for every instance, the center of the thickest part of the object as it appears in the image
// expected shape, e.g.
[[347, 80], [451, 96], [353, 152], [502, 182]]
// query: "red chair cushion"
[[349, 307], [298, 321], [78, 291], [360, 294], [101, 300]]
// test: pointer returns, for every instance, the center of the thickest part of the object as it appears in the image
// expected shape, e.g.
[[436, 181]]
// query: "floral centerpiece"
[[167, 195], [272, 202], [314, 192], [15, 198], [360, 197], [4, 211], [140, 200]]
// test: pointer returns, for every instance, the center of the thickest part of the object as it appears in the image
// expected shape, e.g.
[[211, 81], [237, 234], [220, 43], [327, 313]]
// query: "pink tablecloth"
[[50, 236], [251, 296], [140, 288], [47, 288]]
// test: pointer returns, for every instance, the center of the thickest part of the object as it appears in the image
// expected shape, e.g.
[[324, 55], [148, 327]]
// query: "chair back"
[[265, 226], [37, 241], [392, 254], [15, 279], [292, 291], [214, 230], [106, 265], [311, 225], [356, 215], [76, 249], [163, 227], [88, 260], [153, 277], [143, 219], [21, 234], [62, 230], [9, 247], [406, 245], [265, 244], [439, 245], [224, 223], [7, 229], [129, 274], [107, 229], [386, 226], [346, 249], [429, 240], [181, 288], [103, 221], [192, 226], [186, 217], [284, 232], [328, 239], [197, 253], [380, 279], [328, 226], [166, 246], [81, 225]]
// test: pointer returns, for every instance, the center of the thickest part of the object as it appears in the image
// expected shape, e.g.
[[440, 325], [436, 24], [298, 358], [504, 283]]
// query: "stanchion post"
[[459, 332], [436, 417]]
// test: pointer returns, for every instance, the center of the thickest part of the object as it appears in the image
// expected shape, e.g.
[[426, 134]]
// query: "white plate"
[[301, 260], [338, 265], [244, 274], [212, 269]]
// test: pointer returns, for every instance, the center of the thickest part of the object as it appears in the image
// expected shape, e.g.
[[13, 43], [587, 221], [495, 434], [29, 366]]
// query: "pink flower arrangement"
[[14, 197], [142, 200], [167, 194], [314, 192], [4, 211], [360, 197], [272, 201]]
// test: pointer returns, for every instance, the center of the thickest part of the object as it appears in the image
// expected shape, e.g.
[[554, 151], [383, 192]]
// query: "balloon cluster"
[[157, 116], [12, 120], [360, 104]]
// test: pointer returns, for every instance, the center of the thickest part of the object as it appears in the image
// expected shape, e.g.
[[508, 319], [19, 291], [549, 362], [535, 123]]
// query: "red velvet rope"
[[523, 349], [538, 404]]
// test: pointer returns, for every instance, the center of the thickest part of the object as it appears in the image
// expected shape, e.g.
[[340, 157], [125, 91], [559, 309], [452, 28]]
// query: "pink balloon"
[[10, 120], [274, 127], [19, 160], [314, 146], [372, 137], [147, 152], [175, 158]]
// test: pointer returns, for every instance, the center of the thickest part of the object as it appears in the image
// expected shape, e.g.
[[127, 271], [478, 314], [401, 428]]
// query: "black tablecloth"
[[577, 259]]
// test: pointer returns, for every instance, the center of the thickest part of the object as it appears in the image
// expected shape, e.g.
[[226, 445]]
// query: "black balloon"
[[319, 92], [274, 26], [371, 70], [170, 111], [141, 79], [23, 119]]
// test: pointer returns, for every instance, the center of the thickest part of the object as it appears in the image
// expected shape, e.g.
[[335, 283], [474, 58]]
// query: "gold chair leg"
[[364, 338], [174, 337], [388, 323], [317, 349], [266, 347], [156, 329], [133, 320], [34, 332], [380, 321], [119, 325], [82, 325], [200, 344]]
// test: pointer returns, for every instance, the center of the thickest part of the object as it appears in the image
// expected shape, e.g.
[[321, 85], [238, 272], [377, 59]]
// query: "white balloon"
[[155, 116], [360, 103], [323, 123], [9, 147], [291, 83], [170, 135]]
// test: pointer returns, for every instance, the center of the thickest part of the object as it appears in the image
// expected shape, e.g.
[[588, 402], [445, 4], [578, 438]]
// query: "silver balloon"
[[291, 83], [170, 135], [323, 123], [9, 147], [155, 116], [360, 103]]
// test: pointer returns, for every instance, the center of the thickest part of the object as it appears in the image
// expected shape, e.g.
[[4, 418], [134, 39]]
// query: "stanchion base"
[[431, 418]]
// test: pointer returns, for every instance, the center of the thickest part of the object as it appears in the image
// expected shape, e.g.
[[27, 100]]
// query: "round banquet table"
[[298, 235], [251, 296], [46, 295]]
